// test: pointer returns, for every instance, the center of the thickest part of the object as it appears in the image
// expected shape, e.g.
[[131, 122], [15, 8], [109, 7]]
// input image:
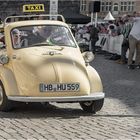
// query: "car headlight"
[[4, 59], [88, 56]]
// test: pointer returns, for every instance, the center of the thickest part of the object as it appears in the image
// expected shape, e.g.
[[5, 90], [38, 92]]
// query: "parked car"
[[42, 62]]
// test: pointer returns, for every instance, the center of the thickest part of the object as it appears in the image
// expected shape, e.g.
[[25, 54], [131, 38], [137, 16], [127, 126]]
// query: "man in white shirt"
[[134, 43]]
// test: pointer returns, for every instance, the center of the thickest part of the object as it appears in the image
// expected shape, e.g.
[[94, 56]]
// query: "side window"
[[18, 39]]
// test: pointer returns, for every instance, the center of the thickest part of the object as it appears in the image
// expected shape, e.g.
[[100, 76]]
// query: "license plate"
[[59, 87]]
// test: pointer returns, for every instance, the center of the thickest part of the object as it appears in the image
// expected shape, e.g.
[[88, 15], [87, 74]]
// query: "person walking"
[[134, 43], [93, 38], [126, 27]]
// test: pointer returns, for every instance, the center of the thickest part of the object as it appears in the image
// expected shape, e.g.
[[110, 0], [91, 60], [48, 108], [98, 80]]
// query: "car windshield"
[[42, 35]]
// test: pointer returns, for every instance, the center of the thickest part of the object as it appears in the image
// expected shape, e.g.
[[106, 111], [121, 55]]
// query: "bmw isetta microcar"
[[42, 62]]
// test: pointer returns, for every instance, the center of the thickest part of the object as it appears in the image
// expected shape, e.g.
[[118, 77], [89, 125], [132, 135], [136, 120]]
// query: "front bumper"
[[90, 97]]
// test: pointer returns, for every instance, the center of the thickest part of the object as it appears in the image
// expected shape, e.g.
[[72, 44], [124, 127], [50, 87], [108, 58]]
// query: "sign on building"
[[33, 8]]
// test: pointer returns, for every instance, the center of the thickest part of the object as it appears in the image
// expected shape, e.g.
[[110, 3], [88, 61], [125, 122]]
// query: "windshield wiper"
[[67, 45], [42, 44]]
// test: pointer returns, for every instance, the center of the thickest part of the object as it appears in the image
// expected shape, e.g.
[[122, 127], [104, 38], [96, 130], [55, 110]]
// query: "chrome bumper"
[[92, 96]]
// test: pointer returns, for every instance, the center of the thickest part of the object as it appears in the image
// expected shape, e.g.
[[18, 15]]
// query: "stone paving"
[[119, 118]]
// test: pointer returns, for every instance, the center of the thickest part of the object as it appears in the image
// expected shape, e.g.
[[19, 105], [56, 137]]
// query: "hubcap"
[[1, 95]]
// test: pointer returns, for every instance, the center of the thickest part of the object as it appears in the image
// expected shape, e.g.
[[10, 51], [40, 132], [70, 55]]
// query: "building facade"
[[15, 7], [116, 7]]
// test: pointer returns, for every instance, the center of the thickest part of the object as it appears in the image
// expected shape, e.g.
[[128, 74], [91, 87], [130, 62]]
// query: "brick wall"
[[137, 8]]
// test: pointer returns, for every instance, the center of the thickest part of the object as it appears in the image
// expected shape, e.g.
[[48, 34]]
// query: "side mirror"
[[88, 56]]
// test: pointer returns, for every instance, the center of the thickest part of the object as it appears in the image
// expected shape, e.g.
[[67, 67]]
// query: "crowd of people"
[[120, 38], [125, 30]]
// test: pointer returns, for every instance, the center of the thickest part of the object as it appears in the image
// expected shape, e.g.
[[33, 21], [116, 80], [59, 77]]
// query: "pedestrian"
[[134, 43], [73, 30], [126, 27], [112, 29], [93, 38]]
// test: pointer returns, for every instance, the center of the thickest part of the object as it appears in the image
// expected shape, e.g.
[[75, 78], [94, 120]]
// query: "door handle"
[[14, 56]]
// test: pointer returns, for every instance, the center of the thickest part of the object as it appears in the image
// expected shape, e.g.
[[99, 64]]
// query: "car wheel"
[[5, 104], [92, 106]]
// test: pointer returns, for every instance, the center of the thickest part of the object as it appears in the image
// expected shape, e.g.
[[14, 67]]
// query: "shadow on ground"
[[119, 82], [37, 110]]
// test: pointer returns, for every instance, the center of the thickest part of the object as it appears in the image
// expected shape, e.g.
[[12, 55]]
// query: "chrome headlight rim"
[[88, 56], [4, 59]]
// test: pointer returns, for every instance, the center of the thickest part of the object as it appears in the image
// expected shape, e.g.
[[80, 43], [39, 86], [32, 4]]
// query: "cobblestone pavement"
[[118, 119]]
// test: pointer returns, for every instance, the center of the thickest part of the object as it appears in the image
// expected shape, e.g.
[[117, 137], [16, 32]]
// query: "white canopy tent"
[[109, 17]]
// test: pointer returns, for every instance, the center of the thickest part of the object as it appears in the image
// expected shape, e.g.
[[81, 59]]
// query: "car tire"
[[5, 104], [92, 106], [45, 104]]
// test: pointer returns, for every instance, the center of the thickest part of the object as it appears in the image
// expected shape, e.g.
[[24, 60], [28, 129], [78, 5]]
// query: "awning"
[[72, 17]]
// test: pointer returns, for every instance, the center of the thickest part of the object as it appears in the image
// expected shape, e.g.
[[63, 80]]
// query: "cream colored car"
[[42, 62]]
